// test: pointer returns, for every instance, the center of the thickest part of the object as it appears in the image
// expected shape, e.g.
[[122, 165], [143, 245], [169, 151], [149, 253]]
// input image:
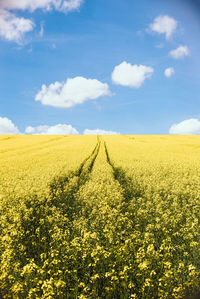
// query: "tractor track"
[[82, 173], [121, 176]]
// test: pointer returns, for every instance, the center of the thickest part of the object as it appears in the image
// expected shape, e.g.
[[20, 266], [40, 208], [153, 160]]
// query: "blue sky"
[[124, 46]]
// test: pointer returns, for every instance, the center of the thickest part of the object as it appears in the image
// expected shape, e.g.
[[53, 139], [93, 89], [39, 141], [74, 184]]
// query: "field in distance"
[[99, 217]]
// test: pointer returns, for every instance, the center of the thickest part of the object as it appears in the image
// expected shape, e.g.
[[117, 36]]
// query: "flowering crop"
[[107, 217]]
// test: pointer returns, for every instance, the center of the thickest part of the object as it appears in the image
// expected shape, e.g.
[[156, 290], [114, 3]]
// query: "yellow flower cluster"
[[161, 179], [107, 217], [29, 163]]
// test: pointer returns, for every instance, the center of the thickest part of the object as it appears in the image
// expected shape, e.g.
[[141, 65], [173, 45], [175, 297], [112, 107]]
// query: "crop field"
[[99, 217]]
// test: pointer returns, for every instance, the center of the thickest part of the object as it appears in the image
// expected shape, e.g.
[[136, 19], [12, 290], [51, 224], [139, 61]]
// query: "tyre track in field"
[[129, 192], [44, 216], [60, 201], [66, 187], [82, 173]]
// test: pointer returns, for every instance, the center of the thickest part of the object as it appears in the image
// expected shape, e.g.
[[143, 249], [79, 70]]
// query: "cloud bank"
[[164, 25], [126, 74], [72, 92], [99, 132], [60, 129], [7, 127], [186, 127]]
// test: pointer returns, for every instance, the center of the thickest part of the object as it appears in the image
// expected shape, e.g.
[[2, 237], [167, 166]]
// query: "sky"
[[99, 67]]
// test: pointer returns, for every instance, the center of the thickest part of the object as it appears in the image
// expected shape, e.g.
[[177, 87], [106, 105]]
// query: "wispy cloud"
[[41, 33]]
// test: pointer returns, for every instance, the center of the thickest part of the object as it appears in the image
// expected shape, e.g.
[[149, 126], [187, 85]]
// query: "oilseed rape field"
[[99, 217]]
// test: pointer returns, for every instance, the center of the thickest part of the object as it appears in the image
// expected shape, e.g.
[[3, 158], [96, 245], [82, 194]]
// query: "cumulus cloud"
[[186, 127], [7, 127], [164, 25], [180, 52], [60, 129], [13, 28], [126, 74], [99, 132], [72, 92], [169, 72]]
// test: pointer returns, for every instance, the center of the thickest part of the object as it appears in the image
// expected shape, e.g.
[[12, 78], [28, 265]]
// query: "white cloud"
[[70, 5], [41, 33], [186, 127], [72, 92], [99, 132], [126, 74], [32, 5], [180, 52], [7, 127], [164, 25], [169, 72], [13, 28], [60, 129]]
